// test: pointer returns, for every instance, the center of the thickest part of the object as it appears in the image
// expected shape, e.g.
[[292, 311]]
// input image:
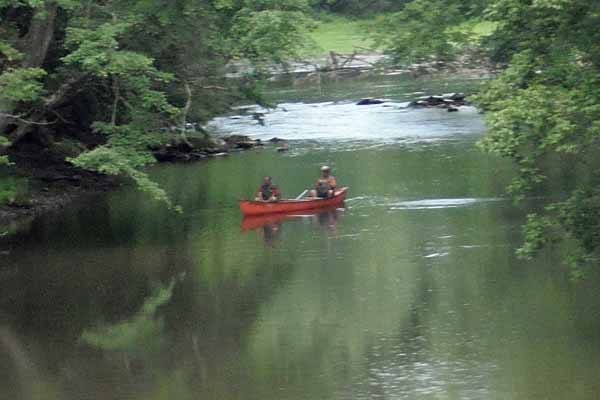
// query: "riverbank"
[[52, 183], [51, 186]]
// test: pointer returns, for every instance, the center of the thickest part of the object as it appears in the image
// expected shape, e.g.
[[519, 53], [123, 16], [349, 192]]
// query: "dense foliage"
[[544, 108], [358, 8], [429, 30], [126, 69]]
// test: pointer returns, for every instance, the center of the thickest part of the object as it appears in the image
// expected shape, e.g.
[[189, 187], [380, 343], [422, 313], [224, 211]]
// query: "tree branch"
[[213, 87], [60, 117], [25, 121]]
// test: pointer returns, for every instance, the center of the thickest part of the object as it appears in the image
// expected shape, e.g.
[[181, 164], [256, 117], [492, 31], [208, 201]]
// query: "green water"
[[411, 291]]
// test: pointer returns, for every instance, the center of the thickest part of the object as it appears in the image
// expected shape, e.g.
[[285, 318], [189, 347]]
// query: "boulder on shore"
[[241, 141], [369, 101], [188, 148], [233, 139], [245, 145], [172, 154], [197, 147]]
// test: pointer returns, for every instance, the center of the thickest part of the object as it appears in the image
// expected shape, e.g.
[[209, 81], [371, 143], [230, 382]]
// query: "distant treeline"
[[359, 8]]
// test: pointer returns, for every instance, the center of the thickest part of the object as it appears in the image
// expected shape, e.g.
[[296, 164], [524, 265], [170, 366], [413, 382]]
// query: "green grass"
[[476, 30], [341, 35], [484, 28], [344, 35]]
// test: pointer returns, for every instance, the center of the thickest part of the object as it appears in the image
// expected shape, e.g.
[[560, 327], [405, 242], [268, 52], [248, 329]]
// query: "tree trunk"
[[58, 98], [184, 113], [334, 60], [24, 128], [40, 35], [188, 105], [34, 46], [117, 95]]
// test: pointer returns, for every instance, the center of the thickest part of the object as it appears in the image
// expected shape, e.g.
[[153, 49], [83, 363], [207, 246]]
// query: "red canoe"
[[287, 206]]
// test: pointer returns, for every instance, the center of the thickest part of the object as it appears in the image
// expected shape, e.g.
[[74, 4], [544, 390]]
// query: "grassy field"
[[342, 35], [476, 30]]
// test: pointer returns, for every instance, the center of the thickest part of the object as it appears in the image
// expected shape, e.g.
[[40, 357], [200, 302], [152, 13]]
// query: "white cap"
[[325, 168]]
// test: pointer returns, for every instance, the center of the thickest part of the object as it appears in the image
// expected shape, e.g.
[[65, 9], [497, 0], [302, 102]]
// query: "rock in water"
[[236, 138], [449, 101], [457, 97], [284, 147], [245, 145], [369, 101], [259, 117], [240, 142]]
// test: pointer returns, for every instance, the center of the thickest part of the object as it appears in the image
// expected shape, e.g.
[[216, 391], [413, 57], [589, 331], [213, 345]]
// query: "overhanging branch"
[[20, 118]]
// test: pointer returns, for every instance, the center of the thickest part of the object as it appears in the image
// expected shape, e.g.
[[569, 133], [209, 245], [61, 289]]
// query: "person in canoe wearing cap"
[[268, 191], [325, 186]]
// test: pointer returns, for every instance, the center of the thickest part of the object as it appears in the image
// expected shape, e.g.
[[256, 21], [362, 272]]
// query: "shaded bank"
[[53, 183]]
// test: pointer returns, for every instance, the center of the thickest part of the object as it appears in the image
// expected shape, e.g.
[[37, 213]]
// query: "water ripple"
[[423, 204], [387, 122], [430, 204]]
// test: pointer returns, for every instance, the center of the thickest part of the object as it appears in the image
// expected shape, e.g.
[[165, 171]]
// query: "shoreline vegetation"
[[97, 75], [341, 47]]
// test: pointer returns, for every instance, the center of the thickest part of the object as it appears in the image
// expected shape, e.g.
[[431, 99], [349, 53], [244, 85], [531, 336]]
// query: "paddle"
[[301, 195]]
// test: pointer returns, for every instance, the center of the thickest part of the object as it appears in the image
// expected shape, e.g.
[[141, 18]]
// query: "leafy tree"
[[125, 69], [420, 31], [543, 110]]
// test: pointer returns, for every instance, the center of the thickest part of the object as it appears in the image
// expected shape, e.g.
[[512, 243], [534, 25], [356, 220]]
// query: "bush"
[[12, 190]]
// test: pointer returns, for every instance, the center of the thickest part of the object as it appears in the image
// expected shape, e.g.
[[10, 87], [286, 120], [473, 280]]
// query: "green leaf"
[[22, 84]]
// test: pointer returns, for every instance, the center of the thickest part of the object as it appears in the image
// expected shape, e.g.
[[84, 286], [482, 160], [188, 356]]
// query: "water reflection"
[[270, 226]]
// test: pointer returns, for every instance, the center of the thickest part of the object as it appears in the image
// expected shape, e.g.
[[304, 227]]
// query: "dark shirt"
[[269, 191]]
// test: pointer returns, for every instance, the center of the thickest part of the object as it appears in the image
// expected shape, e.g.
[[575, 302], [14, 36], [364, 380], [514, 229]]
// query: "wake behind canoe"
[[260, 208]]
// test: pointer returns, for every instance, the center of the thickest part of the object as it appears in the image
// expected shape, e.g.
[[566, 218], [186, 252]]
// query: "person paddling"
[[268, 191], [325, 186]]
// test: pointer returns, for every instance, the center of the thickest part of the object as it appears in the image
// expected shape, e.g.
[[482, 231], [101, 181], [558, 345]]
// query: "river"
[[411, 291]]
